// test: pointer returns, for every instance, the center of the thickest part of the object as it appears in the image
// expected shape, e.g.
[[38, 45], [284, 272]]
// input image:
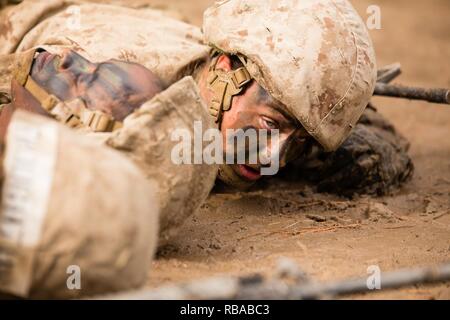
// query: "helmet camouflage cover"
[[314, 56]]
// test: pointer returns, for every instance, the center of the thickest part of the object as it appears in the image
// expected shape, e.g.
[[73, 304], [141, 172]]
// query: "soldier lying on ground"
[[312, 86], [172, 50]]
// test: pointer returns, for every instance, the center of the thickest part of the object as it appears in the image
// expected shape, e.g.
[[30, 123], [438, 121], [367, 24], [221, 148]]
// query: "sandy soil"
[[330, 237]]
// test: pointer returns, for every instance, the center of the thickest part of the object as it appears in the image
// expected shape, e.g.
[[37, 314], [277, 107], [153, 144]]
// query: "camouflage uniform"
[[66, 202], [169, 48], [325, 87]]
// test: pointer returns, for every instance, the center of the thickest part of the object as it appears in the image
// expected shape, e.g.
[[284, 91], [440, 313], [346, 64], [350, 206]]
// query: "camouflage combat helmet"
[[314, 56]]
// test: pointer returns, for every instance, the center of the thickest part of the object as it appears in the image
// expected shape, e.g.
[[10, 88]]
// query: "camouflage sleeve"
[[373, 160]]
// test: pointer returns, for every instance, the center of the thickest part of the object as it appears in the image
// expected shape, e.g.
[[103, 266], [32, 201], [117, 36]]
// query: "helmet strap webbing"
[[224, 86], [74, 113]]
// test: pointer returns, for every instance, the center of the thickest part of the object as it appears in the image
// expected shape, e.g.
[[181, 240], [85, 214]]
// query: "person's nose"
[[277, 147], [289, 148], [70, 60]]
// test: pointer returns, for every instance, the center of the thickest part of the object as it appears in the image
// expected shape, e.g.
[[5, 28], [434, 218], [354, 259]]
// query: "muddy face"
[[254, 109], [114, 87]]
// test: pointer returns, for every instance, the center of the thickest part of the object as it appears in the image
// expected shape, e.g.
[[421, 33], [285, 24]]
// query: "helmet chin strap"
[[225, 85], [73, 113]]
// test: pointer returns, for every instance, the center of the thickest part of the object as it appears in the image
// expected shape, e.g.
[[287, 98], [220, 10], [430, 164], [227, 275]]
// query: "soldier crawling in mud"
[[311, 77]]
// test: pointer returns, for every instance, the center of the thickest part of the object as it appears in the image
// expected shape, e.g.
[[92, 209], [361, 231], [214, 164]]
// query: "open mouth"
[[249, 173]]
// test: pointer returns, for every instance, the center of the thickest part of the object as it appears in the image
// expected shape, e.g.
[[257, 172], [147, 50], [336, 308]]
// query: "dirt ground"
[[333, 238]]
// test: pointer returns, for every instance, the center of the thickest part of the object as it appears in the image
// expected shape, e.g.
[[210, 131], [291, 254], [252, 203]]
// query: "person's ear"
[[224, 63]]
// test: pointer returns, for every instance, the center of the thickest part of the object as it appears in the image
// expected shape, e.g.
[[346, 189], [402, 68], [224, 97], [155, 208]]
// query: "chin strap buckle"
[[74, 113], [225, 85], [99, 121]]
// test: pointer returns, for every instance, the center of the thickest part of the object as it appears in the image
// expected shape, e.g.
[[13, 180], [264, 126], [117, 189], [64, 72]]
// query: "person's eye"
[[269, 123]]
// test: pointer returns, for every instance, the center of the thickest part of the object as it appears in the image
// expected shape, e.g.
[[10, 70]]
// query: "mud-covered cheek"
[[95, 97], [61, 87], [99, 97]]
